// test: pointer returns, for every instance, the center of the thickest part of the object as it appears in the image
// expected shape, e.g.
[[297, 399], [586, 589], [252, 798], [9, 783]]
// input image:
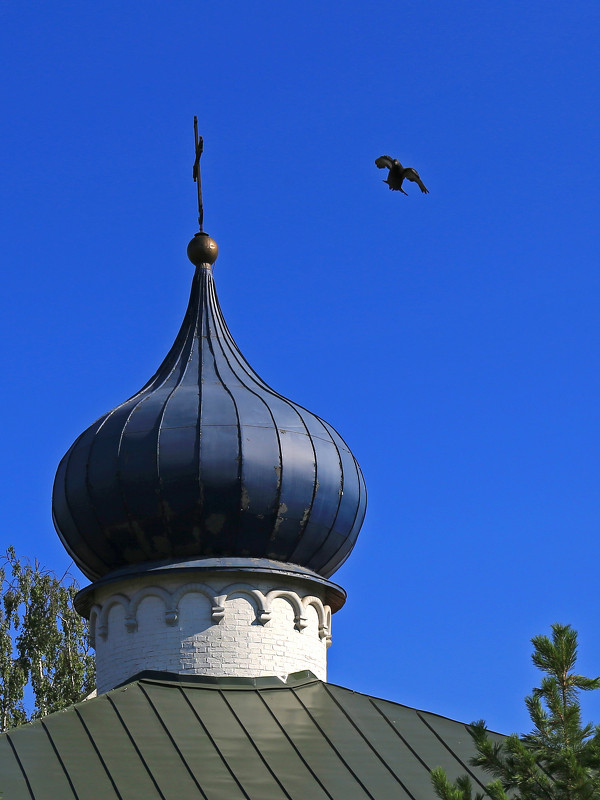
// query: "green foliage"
[[44, 643], [560, 758]]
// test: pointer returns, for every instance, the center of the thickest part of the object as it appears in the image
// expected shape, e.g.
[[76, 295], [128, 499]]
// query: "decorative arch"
[[315, 602], [328, 624], [95, 612], [147, 591], [257, 598], [300, 621], [217, 610], [114, 600], [261, 603]]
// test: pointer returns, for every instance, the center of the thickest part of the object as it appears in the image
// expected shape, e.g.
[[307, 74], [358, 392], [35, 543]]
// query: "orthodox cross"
[[199, 143]]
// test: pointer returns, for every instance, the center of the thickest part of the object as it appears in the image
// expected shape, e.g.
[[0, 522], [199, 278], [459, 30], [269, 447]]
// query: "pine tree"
[[44, 643], [560, 758]]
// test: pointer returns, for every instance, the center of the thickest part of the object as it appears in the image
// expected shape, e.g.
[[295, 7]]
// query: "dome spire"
[[213, 493], [202, 250], [199, 147], [207, 460]]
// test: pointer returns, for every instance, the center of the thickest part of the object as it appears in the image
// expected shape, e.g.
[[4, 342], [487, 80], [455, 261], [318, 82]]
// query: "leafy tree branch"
[[44, 643]]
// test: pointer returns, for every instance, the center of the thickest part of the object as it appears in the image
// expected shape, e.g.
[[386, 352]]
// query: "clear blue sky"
[[452, 338]]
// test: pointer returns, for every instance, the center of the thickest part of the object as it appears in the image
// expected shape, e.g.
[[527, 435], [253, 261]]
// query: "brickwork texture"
[[213, 627]]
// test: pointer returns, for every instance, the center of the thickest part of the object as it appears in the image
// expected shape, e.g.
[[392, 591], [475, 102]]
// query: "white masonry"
[[219, 624]]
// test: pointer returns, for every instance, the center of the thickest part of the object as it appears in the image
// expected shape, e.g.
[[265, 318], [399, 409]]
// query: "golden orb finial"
[[202, 250]]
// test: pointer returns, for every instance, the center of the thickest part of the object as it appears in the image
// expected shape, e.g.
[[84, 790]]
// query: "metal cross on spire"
[[199, 143]]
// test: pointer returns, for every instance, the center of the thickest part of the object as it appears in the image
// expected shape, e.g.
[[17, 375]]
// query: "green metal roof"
[[164, 737]]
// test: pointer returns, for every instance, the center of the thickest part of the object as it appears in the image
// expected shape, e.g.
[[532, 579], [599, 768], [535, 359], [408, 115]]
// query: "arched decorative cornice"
[[147, 591], [95, 612], [217, 598], [255, 596], [300, 621], [217, 610], [113, 600], [323, 617]]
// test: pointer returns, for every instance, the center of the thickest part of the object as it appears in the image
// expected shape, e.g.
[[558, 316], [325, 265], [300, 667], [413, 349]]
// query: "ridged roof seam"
[[253, 743], [185, 347], [450, 750], [361, 491], [214, 744], [332, 745], [321, 545], [218, 317], [20, 764], [374, 750], [315, 487], [208, 310], [398, 734], [198, 516], [188, 348], [249, 372], [293, 744], [60, 761], [190, 310], [173, 742], [68, 456], [135, 747], [156, 381], [98, 753]]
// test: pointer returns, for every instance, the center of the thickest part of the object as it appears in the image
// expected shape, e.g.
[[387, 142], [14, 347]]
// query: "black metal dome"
[[207, 460]]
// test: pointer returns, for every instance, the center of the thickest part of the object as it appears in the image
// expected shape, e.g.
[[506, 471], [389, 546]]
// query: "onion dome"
[[206, 461]]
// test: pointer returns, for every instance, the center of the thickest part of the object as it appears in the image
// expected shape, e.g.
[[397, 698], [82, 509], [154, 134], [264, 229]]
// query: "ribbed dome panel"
[[207, 460]]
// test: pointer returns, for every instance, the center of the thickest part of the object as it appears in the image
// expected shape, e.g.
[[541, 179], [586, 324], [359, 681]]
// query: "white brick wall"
[[249, 627]]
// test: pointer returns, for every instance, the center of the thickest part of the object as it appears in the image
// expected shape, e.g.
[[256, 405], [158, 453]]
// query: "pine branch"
[[560, 758]]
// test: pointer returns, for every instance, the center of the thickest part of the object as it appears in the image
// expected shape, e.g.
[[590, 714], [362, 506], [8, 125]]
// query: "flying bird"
[[397, 173]]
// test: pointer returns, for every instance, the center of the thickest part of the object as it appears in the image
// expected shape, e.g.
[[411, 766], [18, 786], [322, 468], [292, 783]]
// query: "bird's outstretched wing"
[[384, 161], [412, 175]]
